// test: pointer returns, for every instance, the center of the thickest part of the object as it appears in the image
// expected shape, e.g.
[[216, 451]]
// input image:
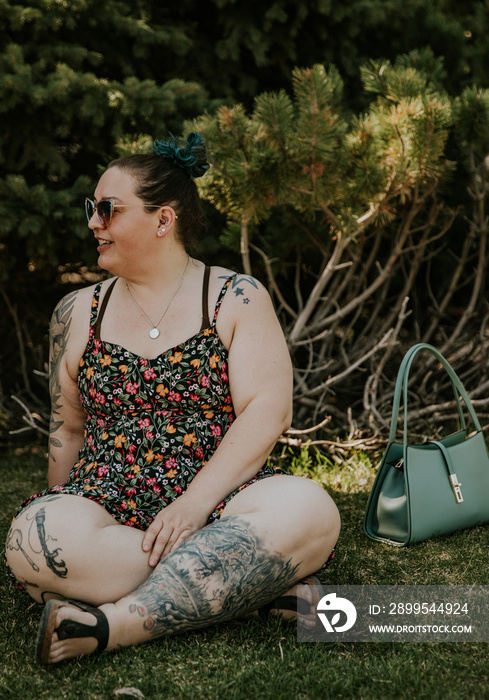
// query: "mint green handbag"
[[421, 491]]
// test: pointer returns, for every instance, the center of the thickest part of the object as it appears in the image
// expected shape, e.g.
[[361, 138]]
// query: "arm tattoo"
[[220, 573], [238, 290], [59, 334], [237, 284], [241, 279]]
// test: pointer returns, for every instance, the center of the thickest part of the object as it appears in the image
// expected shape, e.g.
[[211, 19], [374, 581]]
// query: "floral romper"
[[151, 424]]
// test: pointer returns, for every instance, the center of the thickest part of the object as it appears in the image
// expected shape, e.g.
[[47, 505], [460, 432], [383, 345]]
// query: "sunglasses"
[[105, 209]]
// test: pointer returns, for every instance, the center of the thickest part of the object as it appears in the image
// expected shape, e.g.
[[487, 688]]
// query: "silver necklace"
[[154, 332]]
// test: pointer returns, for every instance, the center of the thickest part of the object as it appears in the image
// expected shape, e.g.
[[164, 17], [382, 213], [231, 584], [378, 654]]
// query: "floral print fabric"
[[151, 424]]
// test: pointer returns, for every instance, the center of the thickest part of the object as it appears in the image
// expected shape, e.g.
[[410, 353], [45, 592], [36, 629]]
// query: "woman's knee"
[[43, 536], [22, 560], [318, 518], [291, 496], [323, 511], [317, 526], [70, 546], [300, 517], [31, 548]]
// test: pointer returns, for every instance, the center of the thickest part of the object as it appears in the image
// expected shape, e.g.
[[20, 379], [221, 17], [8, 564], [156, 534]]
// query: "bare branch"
[[306, 431], [34, 420]]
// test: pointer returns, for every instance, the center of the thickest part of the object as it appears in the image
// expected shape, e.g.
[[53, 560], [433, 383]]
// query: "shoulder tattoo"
[[239, 284]]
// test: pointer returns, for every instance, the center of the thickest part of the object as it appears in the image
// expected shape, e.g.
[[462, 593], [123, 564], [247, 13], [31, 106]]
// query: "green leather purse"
[[421, 491]]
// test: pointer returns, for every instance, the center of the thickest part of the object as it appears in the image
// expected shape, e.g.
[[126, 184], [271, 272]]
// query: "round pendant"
[[154, 333]]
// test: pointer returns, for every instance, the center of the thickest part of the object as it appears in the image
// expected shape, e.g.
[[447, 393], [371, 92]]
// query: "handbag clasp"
[[455, 484]]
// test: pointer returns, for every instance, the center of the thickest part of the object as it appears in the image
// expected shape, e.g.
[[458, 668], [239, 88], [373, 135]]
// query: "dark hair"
[[165, 177]]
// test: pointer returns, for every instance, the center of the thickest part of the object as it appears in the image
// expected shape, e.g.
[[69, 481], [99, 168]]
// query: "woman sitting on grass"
[[170, 384]]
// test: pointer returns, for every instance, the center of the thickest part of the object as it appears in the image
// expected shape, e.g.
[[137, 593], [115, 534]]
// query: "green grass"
[[262, 659]]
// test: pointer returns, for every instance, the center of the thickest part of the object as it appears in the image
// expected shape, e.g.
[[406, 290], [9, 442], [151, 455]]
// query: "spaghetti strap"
[[101, 311], [206, 322], [205, 299], [223, 291]]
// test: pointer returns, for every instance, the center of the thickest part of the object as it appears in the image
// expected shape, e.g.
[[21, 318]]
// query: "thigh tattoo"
[[52, 558]]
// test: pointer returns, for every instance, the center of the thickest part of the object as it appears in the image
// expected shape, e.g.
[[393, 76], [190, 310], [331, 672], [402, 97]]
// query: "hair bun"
[[192, 157]]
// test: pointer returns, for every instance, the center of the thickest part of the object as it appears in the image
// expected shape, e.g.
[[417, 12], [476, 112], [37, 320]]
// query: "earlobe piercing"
[[161, 232]]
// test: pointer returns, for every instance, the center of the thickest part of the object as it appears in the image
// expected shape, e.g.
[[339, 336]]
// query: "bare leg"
[[70, 547], [271, 535]]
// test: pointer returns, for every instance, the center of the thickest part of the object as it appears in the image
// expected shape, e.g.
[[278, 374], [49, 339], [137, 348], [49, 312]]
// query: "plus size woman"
[[170, 383]]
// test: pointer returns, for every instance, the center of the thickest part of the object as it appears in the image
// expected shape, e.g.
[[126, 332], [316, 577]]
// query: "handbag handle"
[[402, 385]]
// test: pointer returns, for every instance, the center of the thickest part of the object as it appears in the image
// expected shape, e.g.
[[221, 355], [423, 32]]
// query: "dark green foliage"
[[75, 78], [63, 106], [344, 217], [82, 81]]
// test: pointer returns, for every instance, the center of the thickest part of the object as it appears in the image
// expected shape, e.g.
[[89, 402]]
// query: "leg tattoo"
[[218, 574], [14, 543], [57, 567]]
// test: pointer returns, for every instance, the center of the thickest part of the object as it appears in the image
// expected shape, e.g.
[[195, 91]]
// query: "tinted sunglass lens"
[[104, 211], [89, 209]]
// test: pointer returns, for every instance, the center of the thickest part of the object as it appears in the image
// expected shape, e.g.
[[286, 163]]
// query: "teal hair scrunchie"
[[192, 157]]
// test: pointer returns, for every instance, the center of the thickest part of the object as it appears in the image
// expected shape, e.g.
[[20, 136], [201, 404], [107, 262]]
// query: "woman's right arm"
[[67, 336]]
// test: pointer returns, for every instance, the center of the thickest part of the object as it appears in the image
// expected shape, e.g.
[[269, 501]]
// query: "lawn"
[[255, 658]]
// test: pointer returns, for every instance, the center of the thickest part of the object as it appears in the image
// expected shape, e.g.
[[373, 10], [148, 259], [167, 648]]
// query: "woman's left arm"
[[260, 378]]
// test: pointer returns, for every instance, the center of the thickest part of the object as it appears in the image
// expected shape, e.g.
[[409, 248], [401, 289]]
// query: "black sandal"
[[69, 629], [295, 602]]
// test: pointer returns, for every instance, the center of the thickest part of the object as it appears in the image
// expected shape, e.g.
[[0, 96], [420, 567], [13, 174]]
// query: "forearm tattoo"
[[51, 557], [59, 334], [220, 573]]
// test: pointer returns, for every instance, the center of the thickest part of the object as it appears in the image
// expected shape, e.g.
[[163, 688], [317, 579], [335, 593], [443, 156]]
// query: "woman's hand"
[[172, 526]]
